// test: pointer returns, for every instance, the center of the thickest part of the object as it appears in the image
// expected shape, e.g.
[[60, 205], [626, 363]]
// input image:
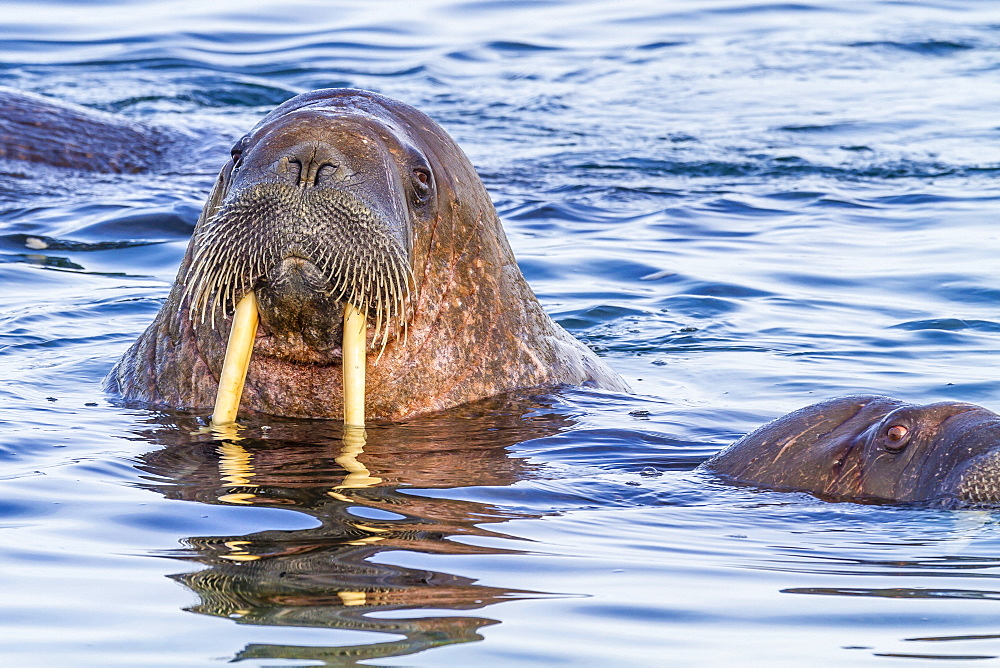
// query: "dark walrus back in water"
[[37, 129]]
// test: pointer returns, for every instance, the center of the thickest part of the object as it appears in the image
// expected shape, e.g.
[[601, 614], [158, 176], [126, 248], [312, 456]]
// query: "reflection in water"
[[42, 261], [896, 592], [916, 593], [325, 576]]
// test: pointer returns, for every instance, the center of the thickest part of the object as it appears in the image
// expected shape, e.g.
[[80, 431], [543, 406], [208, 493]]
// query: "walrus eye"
[[896, 437], [421, 184], [237, 152]]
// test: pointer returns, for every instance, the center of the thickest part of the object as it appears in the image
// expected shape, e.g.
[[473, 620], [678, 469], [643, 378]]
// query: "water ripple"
[[744, 207]]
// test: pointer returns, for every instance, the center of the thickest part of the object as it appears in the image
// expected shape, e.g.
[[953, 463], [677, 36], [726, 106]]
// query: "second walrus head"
[[344, 195], [874, 448]]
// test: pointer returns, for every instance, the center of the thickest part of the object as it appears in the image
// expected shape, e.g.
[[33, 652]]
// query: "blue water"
[[744, 207]]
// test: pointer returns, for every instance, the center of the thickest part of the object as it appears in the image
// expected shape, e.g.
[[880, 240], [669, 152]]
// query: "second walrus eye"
[[896, 437], [421, 184]]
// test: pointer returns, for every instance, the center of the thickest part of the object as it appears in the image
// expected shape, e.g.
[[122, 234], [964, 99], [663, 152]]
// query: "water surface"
[[744, 207]]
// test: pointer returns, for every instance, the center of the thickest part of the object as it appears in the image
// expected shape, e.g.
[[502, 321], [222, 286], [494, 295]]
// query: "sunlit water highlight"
[[745, 207]]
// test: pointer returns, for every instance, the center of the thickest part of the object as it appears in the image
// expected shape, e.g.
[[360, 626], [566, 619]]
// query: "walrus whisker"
[[203, 283], [390, 286], [225, 296], [236, 289], [212, 293], [213, 309], [207, 301], [354, 282], [366, 280], [253, 233], [192, 287], [404, 288], [389, 312], [398, 293], [200, 292], [385, 335], [335, 266], [335, 272], [199, 266], [371, 290], [379, 326]]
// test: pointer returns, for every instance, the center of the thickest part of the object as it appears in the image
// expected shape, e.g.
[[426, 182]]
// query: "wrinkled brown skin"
[[840, 450], [475, 328], [36, 129]]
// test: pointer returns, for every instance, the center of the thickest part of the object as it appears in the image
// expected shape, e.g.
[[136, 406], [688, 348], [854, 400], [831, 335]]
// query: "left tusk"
[[234, 368], [353, 359]]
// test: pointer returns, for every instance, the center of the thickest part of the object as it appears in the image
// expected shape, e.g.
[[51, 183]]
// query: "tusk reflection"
[[358, 477], [236, 470], [331, 574]]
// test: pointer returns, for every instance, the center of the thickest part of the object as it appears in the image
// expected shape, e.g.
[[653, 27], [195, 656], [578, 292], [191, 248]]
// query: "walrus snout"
[[312, 216], [299, 317], [305, 250], [979, 482], [306, 149], [974, 455]]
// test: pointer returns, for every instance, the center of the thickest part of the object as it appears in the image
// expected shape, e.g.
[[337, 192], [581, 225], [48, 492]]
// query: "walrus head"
[[874, 448], [315, 211], [339, 196]]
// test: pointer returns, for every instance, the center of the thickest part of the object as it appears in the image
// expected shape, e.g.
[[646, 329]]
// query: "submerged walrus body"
[[40, 130], [873, 448], [343, 195]]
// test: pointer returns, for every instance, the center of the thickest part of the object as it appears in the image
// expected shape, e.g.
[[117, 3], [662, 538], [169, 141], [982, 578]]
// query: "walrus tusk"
[[234, 368], [353, 356]]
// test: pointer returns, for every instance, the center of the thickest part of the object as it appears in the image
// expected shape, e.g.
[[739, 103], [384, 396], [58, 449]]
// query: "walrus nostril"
[[308, 173], [328, 171], [290, 169], [308, 176], [310, 164], [317, 171]]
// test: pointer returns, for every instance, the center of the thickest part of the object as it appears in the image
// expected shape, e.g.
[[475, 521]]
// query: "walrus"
[[873, 449], [37, 129], [342, 196]]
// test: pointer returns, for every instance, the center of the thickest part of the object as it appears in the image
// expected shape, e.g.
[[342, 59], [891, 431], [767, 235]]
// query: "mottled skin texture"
[[36, 129], [474, 328], [873, 448]]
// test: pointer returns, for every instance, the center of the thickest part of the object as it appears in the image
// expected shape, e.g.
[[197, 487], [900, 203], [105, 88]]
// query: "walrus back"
[[36, 129]]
